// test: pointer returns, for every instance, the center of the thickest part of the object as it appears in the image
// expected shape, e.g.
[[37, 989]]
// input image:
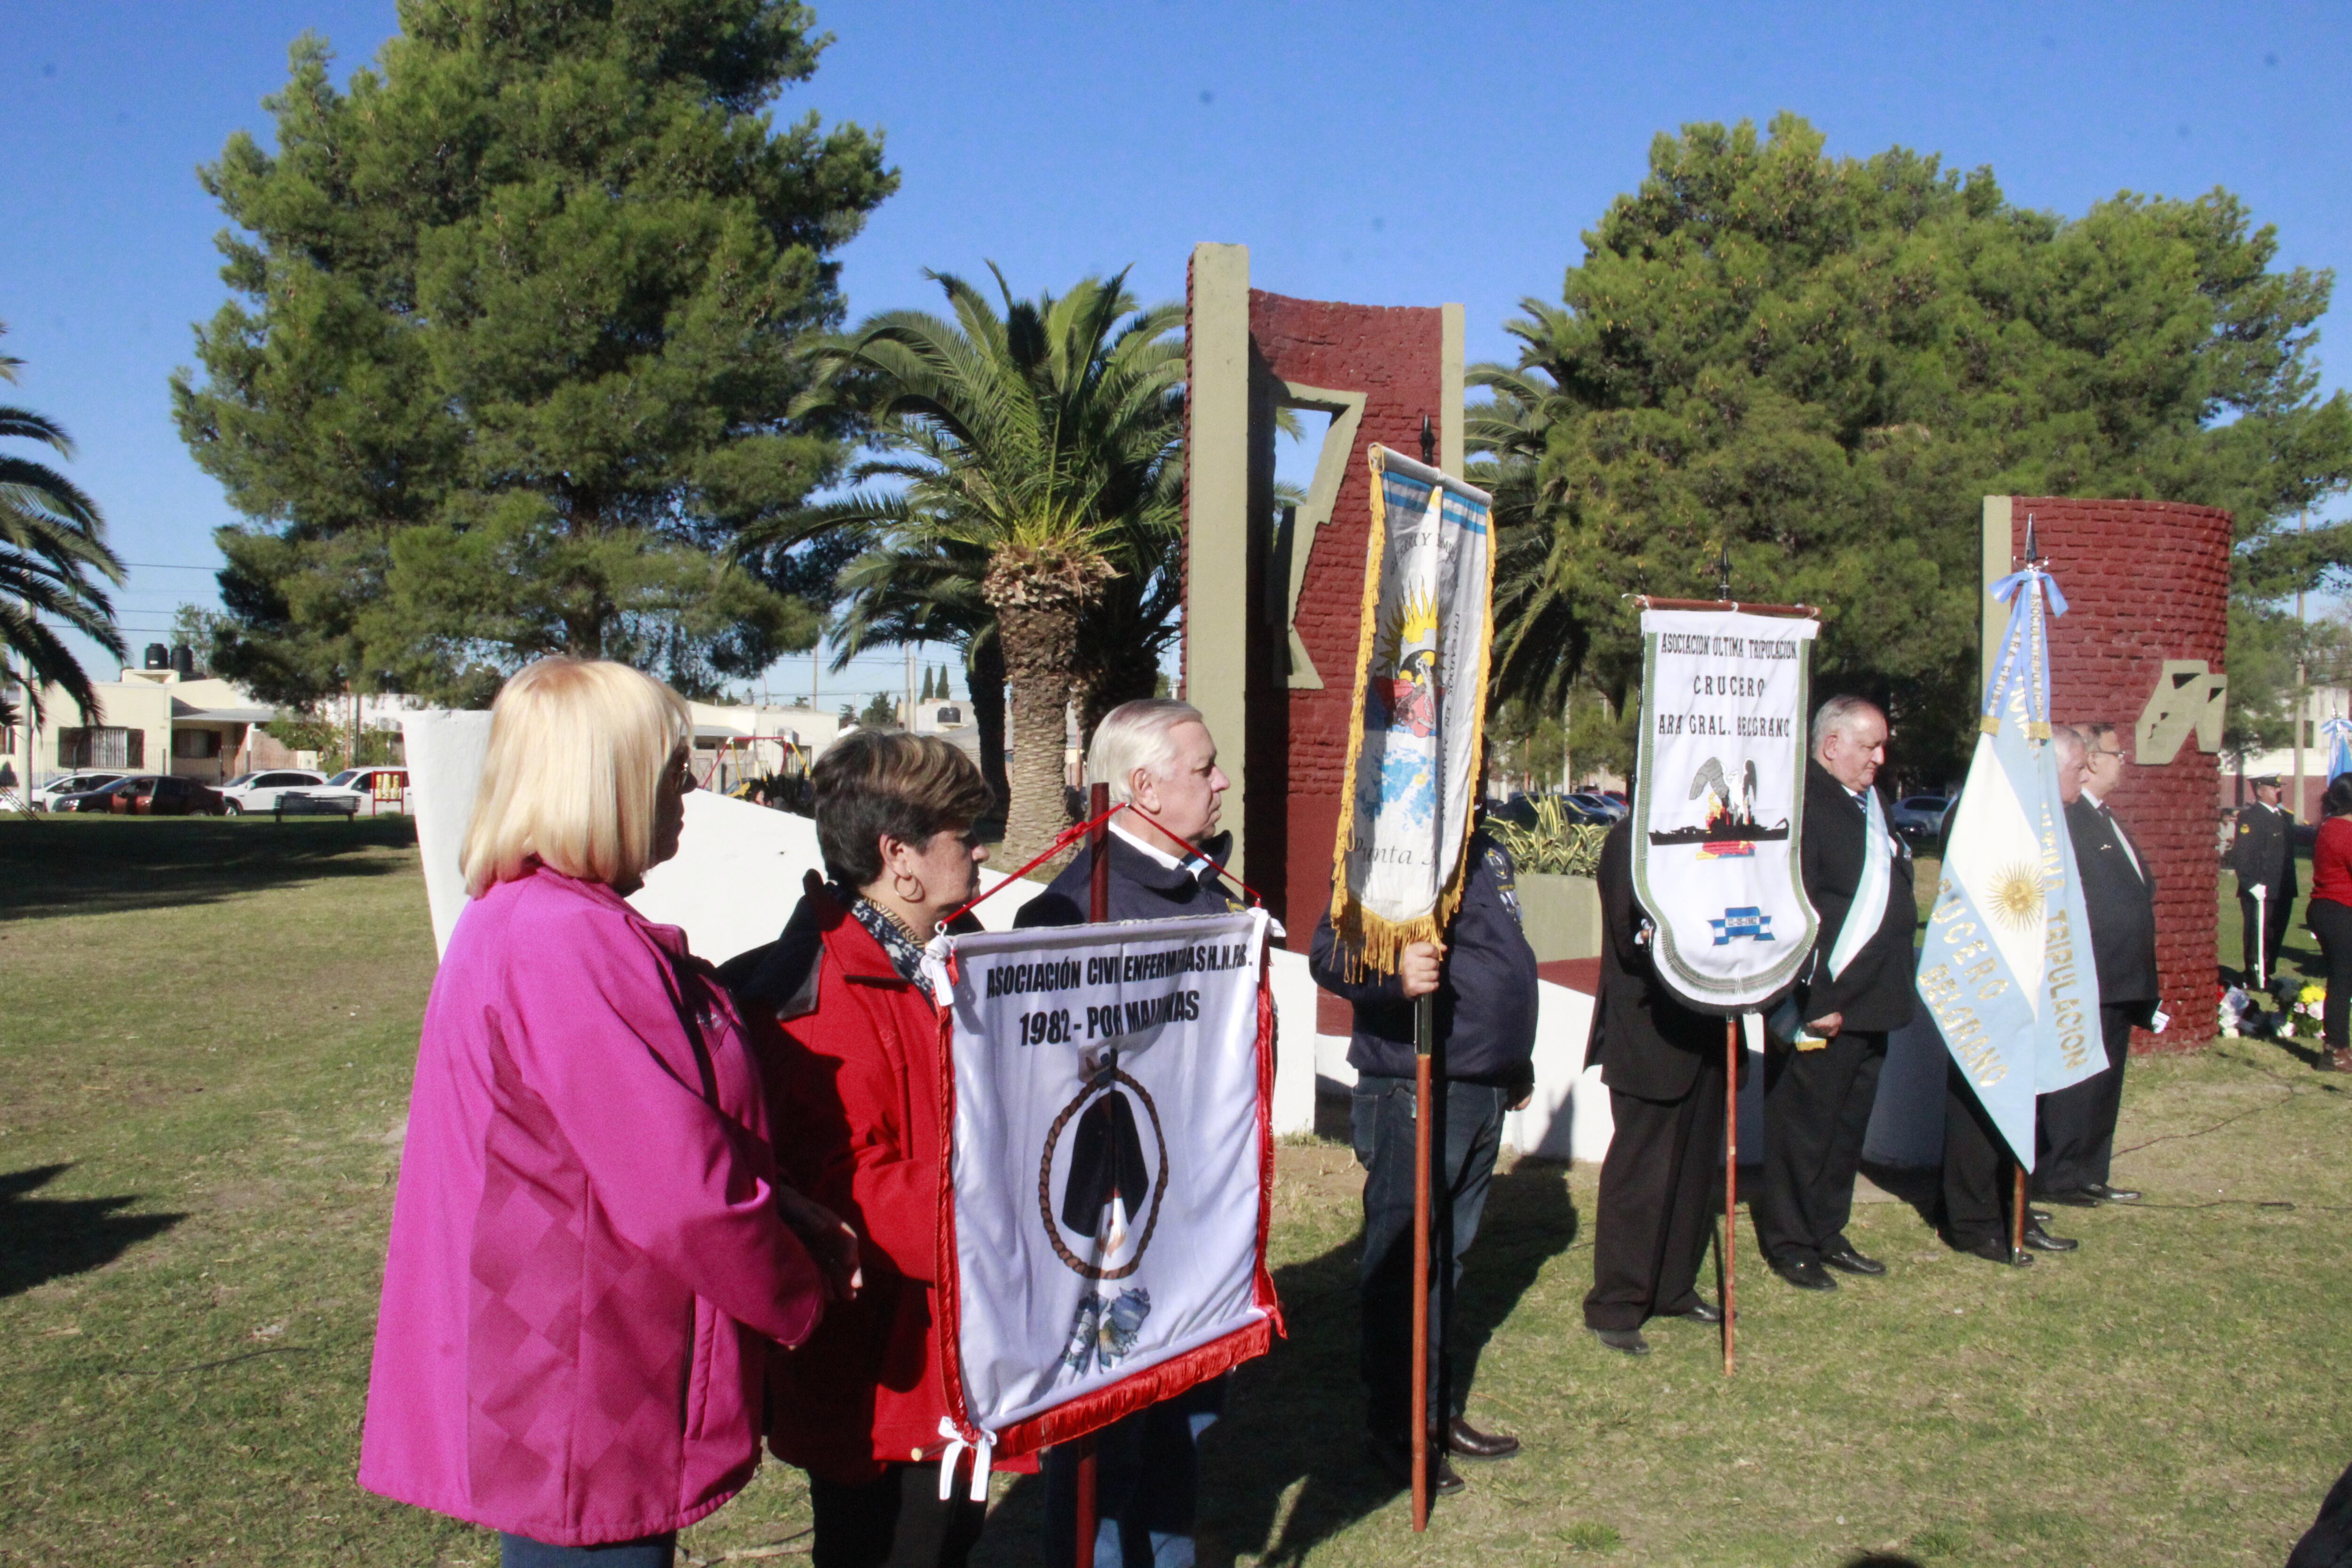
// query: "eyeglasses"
[[2102, 751]]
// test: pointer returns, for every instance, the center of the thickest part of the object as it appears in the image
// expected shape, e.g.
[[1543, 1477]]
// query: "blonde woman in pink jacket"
[[589, 1243]]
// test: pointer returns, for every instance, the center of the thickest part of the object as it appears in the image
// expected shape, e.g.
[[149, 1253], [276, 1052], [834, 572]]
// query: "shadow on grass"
[[1286, 1466], [65, 865], [43, 1239]]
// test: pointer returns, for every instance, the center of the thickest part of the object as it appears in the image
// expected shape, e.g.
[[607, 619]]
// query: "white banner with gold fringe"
[[1421, 699]]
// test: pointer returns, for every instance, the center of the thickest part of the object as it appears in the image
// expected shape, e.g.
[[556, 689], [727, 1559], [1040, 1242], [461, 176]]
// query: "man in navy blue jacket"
[[1159, 756], [1484, 979]]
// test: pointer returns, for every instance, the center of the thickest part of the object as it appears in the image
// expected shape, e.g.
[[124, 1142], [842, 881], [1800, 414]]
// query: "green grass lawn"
[[207, 1031]]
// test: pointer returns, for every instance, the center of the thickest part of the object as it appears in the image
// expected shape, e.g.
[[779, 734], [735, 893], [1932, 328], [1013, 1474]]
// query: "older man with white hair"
[[1818, 1086], [1158, 757]]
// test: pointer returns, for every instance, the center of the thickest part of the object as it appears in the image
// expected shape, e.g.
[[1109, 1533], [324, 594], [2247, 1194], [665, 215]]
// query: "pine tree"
[[520, 317]]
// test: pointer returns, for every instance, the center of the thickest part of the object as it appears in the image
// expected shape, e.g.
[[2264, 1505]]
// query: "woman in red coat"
[[853, 1083], [2329, 915]]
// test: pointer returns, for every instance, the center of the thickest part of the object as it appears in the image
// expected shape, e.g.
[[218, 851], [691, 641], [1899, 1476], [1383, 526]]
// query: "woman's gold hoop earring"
[[897, 881]]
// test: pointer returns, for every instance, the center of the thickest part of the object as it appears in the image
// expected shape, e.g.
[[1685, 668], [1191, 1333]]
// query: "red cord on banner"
[[1078, 830]]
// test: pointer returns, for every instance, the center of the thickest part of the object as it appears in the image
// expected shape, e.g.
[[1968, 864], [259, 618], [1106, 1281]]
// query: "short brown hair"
[[876, 782]]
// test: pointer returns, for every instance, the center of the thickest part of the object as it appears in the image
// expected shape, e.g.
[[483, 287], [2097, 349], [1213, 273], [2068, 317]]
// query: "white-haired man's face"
[[1856, 749], [2070, 760], [1184, 798]]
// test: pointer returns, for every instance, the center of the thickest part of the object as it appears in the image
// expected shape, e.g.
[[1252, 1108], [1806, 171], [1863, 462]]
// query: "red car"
[[151, 794]]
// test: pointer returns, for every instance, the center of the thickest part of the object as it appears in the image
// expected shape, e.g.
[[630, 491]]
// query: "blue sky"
[[1387, 155]]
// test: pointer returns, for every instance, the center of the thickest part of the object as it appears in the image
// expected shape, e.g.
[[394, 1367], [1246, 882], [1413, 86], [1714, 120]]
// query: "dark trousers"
[[1146, 1484], [522, 1551], [1654, 1216], [1816, 1112], [894, 1521], [1979, 1185], [2268, 917], [2331, 922], [1466, 1133], [2080, 1121]]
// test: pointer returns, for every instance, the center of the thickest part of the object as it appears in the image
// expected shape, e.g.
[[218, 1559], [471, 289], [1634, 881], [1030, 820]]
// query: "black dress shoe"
[[1851, 1262], [1394, 1457], [1700, 1310], [2042, 1240], [1466, 1440], [2107, 1195], [1995, 1249], [1805, 1275], [1629, 1340], [2077, 1198]]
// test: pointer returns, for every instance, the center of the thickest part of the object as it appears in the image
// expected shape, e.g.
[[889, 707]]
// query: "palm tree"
[[1036, 450], [51, 539]]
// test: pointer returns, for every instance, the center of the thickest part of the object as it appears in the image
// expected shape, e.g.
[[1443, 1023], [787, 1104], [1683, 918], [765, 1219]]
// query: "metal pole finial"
[[1428, 442], [1723, 574], [2032, 558]]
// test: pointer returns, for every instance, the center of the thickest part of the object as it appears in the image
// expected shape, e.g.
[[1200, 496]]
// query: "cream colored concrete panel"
[[2000, 515], [1216, 599]]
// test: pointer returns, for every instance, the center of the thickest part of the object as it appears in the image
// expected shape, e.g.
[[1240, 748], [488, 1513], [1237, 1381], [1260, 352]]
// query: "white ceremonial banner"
[[1106, 1168], [1412, 773], [1718, 801]]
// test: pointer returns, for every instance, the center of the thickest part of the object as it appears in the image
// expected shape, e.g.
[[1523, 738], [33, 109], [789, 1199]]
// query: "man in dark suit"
[[1818, 1089], [2261, 852], [1978, 1192], [1663, 1065], [1159, 755], [2119, 898]]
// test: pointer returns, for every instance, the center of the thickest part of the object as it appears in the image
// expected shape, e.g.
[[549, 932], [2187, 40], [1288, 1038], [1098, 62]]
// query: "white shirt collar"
[[1171, 861], [2093, 796]]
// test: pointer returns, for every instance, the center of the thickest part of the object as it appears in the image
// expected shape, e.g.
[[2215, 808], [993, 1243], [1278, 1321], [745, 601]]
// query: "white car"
[[367, 791], [258, 791], [46, 797]]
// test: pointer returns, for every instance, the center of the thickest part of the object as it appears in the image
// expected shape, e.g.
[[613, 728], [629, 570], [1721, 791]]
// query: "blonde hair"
[[574, 775]]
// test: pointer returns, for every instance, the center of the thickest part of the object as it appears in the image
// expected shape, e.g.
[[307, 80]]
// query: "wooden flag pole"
[[1730, 1177], [1097, 910], [1423, 1027], [1424, 1031], [2017, 1218]]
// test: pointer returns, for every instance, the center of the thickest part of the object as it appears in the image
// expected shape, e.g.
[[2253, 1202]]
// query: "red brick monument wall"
[[1298, 736], [2148, 583]]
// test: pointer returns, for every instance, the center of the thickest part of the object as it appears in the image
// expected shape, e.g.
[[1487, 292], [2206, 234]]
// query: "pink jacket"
[[584, 1243]]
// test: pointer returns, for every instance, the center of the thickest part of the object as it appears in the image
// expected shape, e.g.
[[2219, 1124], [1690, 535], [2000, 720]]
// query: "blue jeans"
[[1147, 1485], [522, 1551], [1464, 1143]]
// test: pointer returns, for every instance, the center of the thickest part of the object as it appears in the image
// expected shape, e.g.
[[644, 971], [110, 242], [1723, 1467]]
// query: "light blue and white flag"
[[2336, 732], [2006, 969]]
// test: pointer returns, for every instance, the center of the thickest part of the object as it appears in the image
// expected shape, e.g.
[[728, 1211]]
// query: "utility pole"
[[2302, 701], [909, 709]]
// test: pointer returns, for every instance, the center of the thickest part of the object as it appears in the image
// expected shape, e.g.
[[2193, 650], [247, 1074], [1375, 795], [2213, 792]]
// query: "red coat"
[[854, 1089]]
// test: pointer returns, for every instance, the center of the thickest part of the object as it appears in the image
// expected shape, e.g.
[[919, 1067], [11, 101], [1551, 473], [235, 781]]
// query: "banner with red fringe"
[[1106, 1186]]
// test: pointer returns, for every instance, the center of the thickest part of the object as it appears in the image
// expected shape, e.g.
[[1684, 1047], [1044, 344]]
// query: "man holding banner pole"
[[1708, 920], [1818, 1086], [1481, 986], [1404, 862], [2007, 968], [1157, 757]]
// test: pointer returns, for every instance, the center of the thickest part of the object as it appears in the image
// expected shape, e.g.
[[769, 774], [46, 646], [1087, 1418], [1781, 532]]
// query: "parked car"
[[146, 795], [259, 790], [1919, 817], [46, 797], [1600, 804], [368, 790]]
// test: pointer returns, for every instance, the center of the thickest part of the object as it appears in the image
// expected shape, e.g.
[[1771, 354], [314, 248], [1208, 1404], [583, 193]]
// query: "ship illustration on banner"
[[1729, 830]]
